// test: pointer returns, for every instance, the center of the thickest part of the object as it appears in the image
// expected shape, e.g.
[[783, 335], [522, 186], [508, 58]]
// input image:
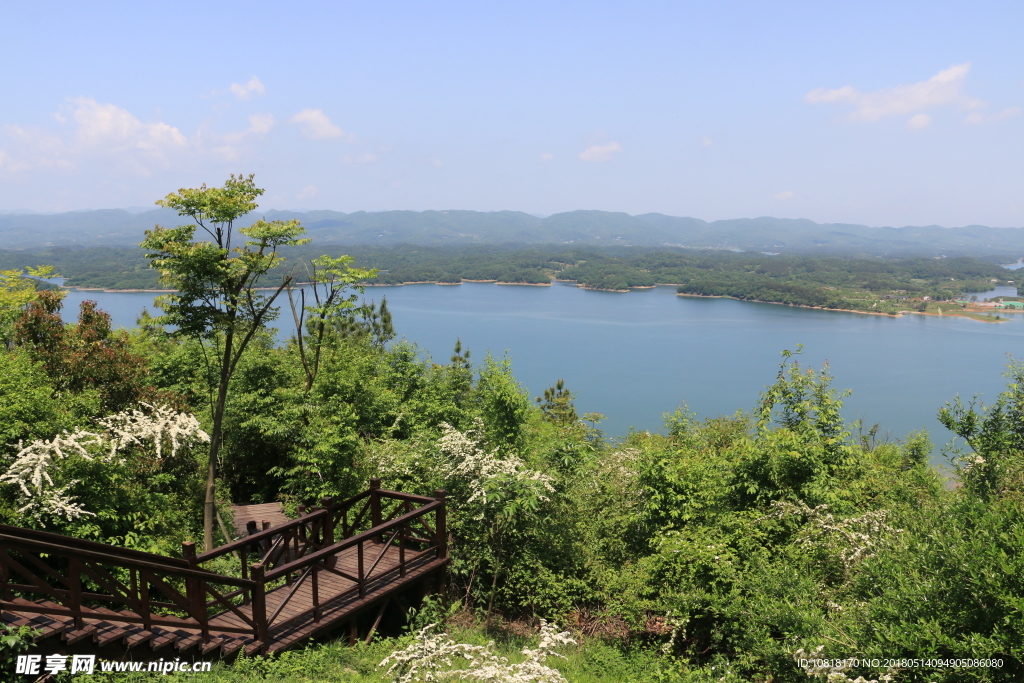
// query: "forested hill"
[[868, 284], [115, 227]]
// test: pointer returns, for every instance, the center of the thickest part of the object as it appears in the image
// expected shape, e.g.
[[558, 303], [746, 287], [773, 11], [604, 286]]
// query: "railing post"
[[5, 578], [359, 573], [195, 591], [259, 605], [250, 529], [375, 503], [441, 529], [325, 504], [328, 535], [147, 621], [75, 586], [402, 533], [133, 587], [264, 525], [315, 586]]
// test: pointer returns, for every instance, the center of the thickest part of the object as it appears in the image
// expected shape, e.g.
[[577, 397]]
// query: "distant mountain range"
[[120, 227]]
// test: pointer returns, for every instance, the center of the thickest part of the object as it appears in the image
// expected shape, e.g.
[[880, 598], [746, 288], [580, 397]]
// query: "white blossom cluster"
[[622, 464], [431, 656], [859, 537], [132, 428], [817, 666], [29, 470], [466, 461], [972, 462]]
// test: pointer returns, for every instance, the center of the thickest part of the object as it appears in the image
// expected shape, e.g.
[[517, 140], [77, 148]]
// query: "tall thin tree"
[[215, 298]]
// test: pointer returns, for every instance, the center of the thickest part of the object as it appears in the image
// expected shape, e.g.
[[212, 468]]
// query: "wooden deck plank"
[[342, 612], [330, 587]]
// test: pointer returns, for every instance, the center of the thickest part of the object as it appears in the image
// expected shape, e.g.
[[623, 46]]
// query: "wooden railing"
[[81, 578]]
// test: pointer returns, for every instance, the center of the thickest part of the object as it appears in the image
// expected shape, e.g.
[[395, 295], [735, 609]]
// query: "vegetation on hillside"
[[867, 284], [731, 542], [718, 550]]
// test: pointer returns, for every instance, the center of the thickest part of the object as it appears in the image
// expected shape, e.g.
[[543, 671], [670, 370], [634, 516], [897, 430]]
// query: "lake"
[[634, 356]]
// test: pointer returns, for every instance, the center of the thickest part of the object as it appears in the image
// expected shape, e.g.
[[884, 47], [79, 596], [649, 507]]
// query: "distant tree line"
[[825, 281]]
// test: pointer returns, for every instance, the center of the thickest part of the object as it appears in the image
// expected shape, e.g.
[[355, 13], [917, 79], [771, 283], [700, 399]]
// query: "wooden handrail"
[[259, 536], [352, 541], [8, 541], [70, 542], [283, 528], [398, 495]]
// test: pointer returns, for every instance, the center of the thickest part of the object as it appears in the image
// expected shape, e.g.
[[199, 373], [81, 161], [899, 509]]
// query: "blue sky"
[[880, 113]]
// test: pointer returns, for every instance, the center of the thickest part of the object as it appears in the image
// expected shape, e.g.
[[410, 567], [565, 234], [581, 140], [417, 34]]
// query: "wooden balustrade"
[[292, 573]]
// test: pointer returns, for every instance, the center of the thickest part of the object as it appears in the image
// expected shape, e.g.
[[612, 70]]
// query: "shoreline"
[[898, 314], [434, 282]]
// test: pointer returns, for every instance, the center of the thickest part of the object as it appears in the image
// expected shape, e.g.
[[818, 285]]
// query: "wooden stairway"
[[312, 575]]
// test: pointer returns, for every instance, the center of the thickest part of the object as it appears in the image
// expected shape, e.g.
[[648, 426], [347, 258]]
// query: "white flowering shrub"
[[473, 475], [465, 463], [30, 472], [156, 425], [32, 467], [851, 540], [432, 656]]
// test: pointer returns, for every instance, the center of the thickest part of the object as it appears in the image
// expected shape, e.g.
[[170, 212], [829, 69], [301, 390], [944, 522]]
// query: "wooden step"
[[134, 635], [232, 646], [215, 643], [13, 620], [72, 637], [188, 642], [45, 625], [108, 633], [162, 639], [27, 603], [48, 627]]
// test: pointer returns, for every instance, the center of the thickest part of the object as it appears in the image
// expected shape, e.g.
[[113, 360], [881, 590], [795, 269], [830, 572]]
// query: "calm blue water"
[[634, 356]]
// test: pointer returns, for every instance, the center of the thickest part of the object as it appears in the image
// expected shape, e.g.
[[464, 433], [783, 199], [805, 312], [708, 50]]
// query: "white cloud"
[[783, 196], [260, 124], [919, 121], [316, 125], [308, 192], [706, 141], [437, 163], [104, 133], [247, 90], [231, 146], [599, 153], [9, 164], [112, 128], [978, 118], [111, 139], [358, 159], [547, 156], [942, 89]]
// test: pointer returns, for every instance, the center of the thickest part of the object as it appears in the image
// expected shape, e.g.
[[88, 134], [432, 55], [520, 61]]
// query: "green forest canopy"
[[832, 282]]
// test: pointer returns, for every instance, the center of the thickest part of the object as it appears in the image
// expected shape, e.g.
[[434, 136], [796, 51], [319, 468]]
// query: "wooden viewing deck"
[[311, 575]]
